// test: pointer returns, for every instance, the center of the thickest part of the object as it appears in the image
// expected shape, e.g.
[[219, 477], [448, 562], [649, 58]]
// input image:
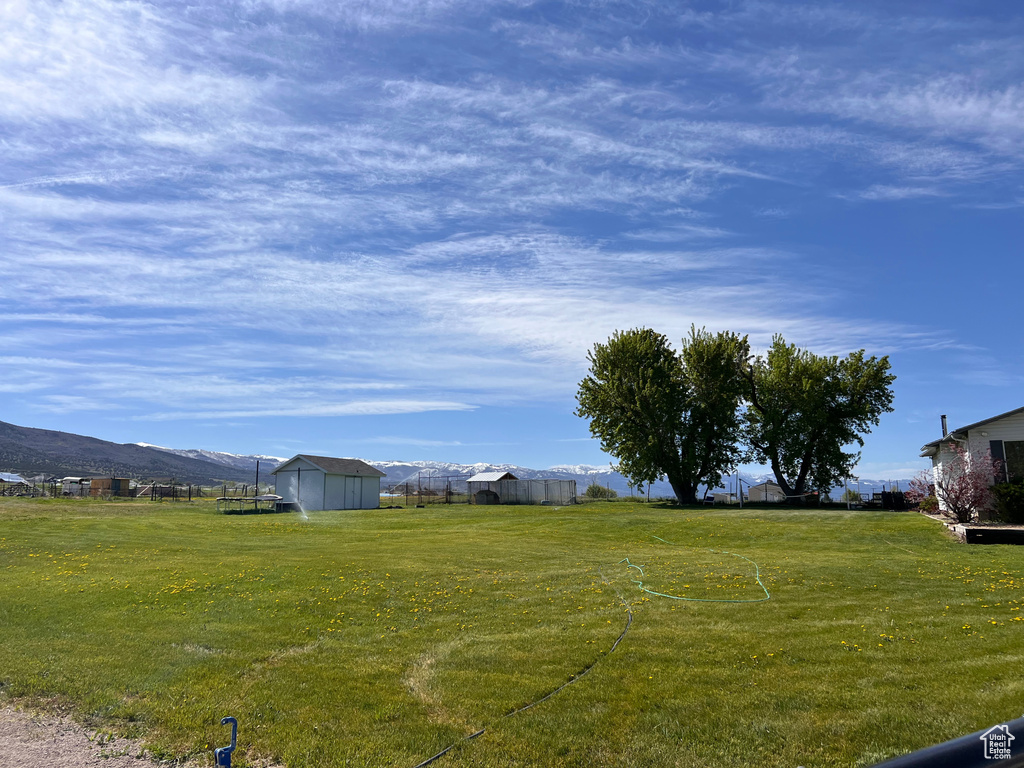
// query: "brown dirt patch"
[[28, 740]]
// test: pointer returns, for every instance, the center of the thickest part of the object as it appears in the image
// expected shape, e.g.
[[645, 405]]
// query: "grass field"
[[377, 638]]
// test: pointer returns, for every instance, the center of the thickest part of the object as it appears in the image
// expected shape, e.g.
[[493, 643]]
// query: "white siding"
[[285, 486], [311, 495], [766, 492], [939, 462], [352, 492], [371, 493], [311, 490], [1009, 429], [334, 498], [326, 491]]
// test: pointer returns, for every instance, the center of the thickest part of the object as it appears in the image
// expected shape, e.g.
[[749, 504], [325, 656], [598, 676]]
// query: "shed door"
[[311, 489], [353, 497]]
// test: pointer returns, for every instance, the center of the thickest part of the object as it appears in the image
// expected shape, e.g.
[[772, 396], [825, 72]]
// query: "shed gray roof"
[[961, 431], [10, 477], [491, 477], [333, 466]]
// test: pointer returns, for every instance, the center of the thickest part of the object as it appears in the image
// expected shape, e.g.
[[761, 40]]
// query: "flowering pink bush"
[[921, 488], [963, 486]]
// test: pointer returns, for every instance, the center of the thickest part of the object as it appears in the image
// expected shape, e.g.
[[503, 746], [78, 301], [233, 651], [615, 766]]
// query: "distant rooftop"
[[334, 466], [491, 477]]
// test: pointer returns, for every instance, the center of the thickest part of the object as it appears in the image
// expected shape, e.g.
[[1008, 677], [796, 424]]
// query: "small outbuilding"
[[324, 482], [110, 486], [74, 486], [482, 486], [767, 491], [506, 488], [12, 484]]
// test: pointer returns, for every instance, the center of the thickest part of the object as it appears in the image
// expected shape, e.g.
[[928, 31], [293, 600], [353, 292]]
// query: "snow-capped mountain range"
[[235, 460], [427, 472]]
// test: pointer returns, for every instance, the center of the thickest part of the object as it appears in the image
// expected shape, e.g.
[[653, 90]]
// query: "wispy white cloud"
[[402, 207], [80, 59], [353, 408], [888, 192]]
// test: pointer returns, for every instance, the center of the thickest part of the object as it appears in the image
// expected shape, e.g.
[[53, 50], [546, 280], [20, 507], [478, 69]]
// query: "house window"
[[995, 449], [1014, 453]]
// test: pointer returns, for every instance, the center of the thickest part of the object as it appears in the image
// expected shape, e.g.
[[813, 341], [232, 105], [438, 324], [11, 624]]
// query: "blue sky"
[[393, 229]]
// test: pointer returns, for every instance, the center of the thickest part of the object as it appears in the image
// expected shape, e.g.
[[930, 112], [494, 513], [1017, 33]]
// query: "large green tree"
[[804, 409], [663, 414]]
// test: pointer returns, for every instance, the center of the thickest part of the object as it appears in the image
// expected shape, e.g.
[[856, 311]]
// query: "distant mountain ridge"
[[238, 461], [31, 452]]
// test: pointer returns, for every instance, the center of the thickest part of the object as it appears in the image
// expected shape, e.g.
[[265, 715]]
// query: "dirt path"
[[29, 741]]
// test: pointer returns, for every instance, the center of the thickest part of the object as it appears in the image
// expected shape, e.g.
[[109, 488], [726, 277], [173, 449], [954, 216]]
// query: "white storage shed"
[[767, 491], [323, 482]]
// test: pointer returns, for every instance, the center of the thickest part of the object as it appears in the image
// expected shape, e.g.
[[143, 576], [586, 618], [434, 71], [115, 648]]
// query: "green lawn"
[[377, 638]]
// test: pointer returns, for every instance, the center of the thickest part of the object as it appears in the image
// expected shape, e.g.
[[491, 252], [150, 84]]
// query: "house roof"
[[961, 432], [491, 477], [334, 466]]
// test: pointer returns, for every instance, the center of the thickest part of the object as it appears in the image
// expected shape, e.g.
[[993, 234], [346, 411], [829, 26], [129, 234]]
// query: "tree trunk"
[[781, 481], [686, 493]]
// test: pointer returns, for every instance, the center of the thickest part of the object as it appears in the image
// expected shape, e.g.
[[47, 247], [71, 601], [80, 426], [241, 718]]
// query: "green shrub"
[[929, 504], [595, 491], [1009, 498]]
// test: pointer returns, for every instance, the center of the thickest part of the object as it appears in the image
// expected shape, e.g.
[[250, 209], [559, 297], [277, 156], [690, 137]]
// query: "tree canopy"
[[803, 409], [667, 414], [680, 415]]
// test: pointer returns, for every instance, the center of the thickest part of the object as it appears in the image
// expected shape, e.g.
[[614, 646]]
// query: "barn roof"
[[333, 466], [491, 477], [10, 477]]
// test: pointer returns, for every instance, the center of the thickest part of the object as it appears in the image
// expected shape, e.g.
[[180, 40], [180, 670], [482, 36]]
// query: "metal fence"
[[523, 492], [427, 488]]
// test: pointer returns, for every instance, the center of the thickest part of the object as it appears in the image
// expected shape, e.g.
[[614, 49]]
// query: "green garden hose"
[[757, 577]]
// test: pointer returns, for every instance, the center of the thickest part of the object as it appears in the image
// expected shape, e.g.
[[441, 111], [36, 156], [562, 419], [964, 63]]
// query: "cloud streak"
[[446, 204]]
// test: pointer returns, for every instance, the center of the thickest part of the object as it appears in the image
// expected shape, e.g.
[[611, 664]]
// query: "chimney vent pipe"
[[944, 430]]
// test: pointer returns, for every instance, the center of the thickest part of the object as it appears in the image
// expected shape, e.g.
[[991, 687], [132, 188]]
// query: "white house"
[[1001, 436], [322, 482]]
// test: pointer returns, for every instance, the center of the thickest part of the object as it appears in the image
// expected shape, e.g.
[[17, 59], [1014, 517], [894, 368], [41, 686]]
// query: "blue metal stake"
[[222, 755]]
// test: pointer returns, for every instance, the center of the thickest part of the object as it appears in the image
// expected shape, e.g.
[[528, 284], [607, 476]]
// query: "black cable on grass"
[[573, 679], [578, 675], [629, 622], [448, 749]]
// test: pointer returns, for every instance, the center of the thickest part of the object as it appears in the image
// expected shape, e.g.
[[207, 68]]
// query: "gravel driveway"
[[30, 741]]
